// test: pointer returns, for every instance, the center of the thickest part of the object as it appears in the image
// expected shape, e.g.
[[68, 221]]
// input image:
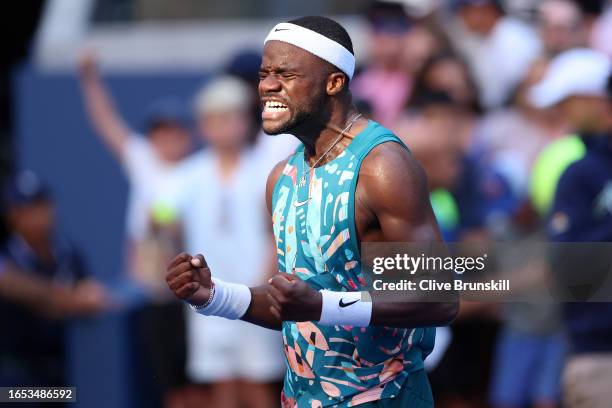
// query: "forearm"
[[259, 310], [412, 313], [39, 294], [362, 309], [102, 113], [28, 291]]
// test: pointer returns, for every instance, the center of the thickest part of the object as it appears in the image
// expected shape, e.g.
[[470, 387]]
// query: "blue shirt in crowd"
[[582, 212]]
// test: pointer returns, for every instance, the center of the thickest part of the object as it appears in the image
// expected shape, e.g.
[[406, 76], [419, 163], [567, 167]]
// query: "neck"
[[320, 137]]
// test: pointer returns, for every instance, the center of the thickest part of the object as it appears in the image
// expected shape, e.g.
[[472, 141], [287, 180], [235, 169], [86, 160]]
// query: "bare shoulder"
[[272, 179], [390, 175], [391, 162]]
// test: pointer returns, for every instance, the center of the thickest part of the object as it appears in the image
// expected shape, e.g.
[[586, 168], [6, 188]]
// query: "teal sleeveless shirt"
[[335, 366]]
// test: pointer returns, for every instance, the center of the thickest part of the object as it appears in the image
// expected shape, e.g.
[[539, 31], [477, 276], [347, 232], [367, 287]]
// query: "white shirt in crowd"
[[227, 221], [148, 176], [500, 60]]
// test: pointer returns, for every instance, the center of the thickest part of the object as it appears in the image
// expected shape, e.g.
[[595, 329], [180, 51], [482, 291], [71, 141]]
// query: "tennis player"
[[350, 182]]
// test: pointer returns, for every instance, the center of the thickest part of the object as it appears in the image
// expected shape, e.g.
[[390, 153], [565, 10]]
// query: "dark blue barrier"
[[54, 138]]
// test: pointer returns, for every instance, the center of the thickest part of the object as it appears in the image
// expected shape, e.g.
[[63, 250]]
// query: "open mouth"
[[275, 106], [274, 111]]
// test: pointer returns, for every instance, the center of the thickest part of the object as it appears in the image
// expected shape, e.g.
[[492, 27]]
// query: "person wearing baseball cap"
[[575, 83], [220, 208], [579, 83], [43, 283], [577, 79], [150, 157]]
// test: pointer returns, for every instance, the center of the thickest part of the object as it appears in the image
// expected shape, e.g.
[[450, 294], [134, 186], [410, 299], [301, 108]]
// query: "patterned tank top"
[[335, 366]]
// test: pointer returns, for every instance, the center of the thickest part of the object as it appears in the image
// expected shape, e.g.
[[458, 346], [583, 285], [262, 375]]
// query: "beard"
[[303, 116], [299, 120]]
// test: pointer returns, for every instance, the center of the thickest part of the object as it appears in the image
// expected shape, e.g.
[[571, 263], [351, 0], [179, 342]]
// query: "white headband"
[[316, 44]]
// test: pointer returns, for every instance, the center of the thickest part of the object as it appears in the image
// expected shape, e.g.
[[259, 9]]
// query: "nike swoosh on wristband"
[[342, 304], [281, 29]]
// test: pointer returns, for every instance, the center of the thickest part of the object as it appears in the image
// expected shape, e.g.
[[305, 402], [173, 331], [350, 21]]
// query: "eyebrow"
[[284, 67]]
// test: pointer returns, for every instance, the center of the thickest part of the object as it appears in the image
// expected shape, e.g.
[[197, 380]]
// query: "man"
[[43, 283], [351, 182], [385, 83], [149, 162], [483, 37], [582, 212], [148, 159], [221, 209]]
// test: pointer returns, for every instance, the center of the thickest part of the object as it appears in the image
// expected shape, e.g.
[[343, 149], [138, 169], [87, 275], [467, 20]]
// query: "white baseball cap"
[[580, 71], [222, 94]]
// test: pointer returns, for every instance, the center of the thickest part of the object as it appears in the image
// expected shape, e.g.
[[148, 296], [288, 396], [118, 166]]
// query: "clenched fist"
[[292, 299], [188, 277]]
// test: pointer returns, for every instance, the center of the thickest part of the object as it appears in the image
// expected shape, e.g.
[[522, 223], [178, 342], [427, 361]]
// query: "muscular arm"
[[392, 194], [392, 205], [102, 113]]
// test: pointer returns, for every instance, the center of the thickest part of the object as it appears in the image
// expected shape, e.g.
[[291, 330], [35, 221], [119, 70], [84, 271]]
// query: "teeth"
[[274, 106]]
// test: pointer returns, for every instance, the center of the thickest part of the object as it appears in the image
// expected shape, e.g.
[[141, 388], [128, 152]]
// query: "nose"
[[269, 84]]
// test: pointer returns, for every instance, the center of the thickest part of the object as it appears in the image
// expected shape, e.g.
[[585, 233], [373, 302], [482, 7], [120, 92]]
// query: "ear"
[[336, 81]]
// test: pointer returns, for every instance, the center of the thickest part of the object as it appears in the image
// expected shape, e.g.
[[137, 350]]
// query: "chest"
[[316, 219]]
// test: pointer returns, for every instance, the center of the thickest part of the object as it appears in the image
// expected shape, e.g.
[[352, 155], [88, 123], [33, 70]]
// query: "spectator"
[[429, 132], [43, 284], [149, 162], [448, 74], [245, 65], [498, 48], [576, 82], [223, 201], [422, 42], [561, 26], [430, 129], [510, 139], [384, 83]]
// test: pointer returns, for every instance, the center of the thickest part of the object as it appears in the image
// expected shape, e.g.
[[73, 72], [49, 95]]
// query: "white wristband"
[[229, 300], [346, 308]]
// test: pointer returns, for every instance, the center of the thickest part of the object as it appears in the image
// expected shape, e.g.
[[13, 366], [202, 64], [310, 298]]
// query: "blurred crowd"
[[506, 105]]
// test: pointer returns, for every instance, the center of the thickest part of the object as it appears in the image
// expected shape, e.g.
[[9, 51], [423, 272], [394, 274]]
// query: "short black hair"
[[327, 27]]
